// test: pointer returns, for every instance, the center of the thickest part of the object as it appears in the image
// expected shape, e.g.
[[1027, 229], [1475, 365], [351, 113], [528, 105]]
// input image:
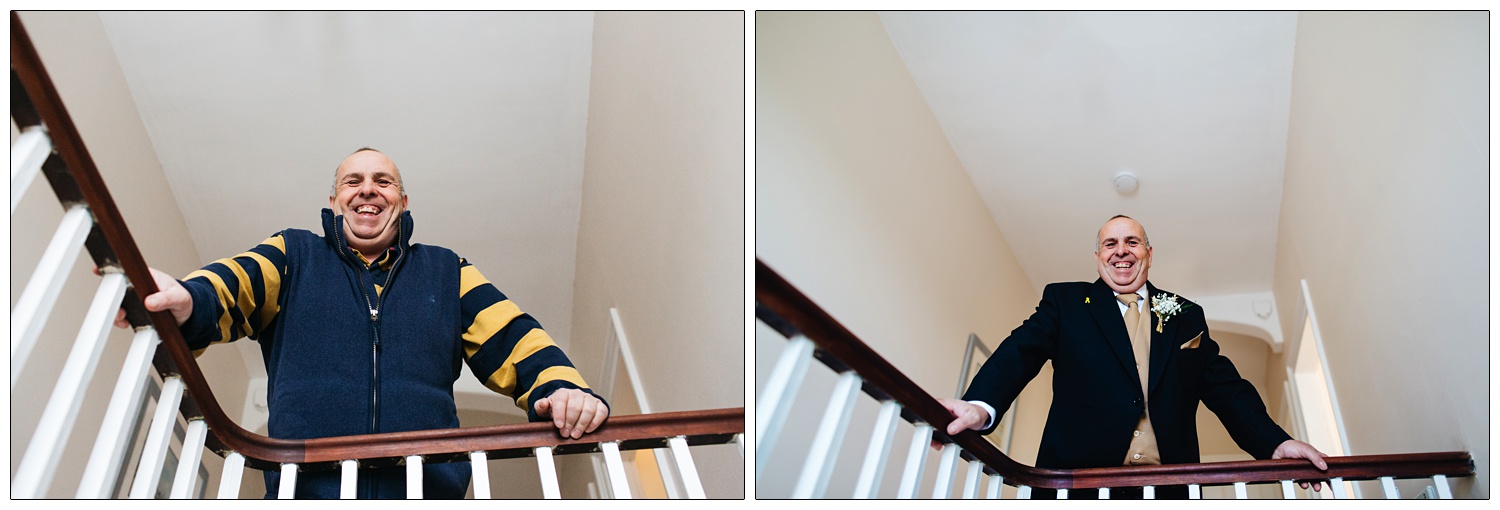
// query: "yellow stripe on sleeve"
[[272, 279], [468, 278], [564, 373], [245, 301], [222, 291], [487, 323], [504, 379]]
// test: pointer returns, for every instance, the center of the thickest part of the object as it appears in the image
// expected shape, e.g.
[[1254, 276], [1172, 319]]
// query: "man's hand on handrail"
[[573, 412], [170, 295], [966, 416], [1294, 449]]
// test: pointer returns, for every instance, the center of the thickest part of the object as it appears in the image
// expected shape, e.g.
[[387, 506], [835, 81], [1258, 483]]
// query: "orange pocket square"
[[1192, 344]]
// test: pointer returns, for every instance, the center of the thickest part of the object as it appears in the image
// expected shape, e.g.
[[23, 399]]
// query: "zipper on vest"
[[375, 372], [374, 308], [375, 328], [374, 351]]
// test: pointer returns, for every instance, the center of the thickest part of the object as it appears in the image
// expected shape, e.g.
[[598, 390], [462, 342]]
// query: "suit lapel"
[[1161, 344], [1106, 311]]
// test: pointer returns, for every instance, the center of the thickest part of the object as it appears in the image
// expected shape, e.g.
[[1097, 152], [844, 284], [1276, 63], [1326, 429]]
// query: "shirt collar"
[[1144, 300], [384, 262]]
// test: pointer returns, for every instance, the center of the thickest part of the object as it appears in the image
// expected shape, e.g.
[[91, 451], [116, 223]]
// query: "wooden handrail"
[[786, 309], [633, 432], [119, 252]]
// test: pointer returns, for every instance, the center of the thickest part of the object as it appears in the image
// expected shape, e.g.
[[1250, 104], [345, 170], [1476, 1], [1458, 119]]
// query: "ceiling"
[[1044, 109], [484, 113]]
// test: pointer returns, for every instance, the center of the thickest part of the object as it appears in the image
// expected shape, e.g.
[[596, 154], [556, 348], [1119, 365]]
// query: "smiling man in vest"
[[363, 332]]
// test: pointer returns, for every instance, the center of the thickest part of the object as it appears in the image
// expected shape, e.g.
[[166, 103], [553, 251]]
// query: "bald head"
[[337, 172]]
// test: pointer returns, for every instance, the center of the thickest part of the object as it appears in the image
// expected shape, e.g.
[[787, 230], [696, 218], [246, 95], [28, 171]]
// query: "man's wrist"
[[991, 421]]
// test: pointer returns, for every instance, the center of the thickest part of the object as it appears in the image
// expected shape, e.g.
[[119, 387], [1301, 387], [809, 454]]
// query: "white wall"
[[1385, 215], [662, 235], [861, 203]]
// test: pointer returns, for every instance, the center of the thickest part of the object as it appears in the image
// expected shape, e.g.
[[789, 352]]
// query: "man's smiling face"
[[1124, 255], [367, 193]]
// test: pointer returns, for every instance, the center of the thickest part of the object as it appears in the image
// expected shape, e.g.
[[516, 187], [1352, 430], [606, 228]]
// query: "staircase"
[[967, 462]]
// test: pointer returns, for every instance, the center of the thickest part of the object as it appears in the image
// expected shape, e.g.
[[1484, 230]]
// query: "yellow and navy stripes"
[[248, 286], [506, 348]]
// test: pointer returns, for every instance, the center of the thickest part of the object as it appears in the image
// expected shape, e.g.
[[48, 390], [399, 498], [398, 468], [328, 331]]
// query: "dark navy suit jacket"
[[1097, 396]]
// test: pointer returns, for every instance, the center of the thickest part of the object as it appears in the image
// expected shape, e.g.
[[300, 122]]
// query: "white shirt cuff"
[[987, 409]]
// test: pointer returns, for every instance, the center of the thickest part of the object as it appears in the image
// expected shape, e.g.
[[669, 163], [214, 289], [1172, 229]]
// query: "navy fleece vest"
[[336, 368]]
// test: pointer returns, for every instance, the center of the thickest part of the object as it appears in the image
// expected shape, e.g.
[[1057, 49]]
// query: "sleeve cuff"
[[201, 328], [988, 424]]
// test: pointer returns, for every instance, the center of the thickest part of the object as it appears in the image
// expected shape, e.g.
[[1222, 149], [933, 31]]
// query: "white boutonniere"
[[1165, 307]]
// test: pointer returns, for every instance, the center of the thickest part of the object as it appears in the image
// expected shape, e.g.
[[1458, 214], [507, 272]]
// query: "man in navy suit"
[[1107, 340]]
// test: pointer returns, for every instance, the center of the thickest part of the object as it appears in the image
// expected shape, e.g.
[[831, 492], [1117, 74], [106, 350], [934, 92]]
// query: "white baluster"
[[668, 477], [942, 487], [479, 462], [1148, 492], [34, 474], [997, 482], [348, 479], [154, 455], [1104, 493], [1239, 491], [971, 479], [685, 467], [1388, 484], [616, 467], [776, 397], [1062, 494], [1023, 492], [186, 480], [26, 158], [35, 304], [916, 459], [119, 419], [229, 478], [826, 441], [1195, 491], [1441, 483], [875, 456], [414, 477], [548, 471], [1286, 490], [287, 489], [1337, 484]]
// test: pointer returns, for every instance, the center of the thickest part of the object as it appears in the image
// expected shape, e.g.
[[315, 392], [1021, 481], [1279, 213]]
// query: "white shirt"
[[1144, 305]]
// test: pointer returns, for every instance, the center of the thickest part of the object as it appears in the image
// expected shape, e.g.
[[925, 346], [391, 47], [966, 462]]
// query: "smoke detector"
[[1125, 182]]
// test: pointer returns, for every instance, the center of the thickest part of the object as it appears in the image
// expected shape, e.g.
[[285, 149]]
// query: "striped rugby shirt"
[[505, 348]]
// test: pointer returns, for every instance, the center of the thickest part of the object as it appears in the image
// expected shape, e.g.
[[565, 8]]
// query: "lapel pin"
[[1085, 300]]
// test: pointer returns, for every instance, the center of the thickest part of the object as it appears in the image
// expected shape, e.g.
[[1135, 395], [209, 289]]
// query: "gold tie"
[[1132, 315], [1140, 340], [1143, 449]]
